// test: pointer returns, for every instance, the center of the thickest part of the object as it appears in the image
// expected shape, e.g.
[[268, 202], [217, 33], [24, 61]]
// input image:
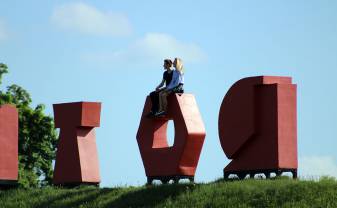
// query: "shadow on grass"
[[150, 196], [73, 198], [115, 197], [61, 199]]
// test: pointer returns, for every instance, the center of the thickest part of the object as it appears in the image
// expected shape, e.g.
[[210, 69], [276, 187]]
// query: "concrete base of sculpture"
[[8, 184], [167, 179], [77, 159], [258, 126], [164, 162], [76, 184], [241, 174], [9, 127]]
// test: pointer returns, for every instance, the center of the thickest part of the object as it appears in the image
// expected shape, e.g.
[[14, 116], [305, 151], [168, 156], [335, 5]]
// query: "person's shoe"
[[160, 114]]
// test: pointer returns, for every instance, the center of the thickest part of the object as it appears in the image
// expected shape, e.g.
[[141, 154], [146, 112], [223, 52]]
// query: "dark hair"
[[168, 61]]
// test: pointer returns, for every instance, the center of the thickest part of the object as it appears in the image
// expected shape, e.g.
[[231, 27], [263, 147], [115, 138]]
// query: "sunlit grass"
[[281, 192]]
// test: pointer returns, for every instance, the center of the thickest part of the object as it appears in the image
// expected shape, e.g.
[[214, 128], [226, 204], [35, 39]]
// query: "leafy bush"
[[37, 136]]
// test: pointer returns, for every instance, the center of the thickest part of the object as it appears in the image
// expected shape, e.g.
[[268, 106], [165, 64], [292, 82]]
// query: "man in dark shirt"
[[167, 77]]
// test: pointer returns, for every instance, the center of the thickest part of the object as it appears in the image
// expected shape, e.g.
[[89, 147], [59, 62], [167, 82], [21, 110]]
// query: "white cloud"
[[151, 48], [83, 18], [314, 166], [157, 45], [3, 31]]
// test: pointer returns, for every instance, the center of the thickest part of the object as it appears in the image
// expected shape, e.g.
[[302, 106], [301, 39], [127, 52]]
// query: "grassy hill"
[[281, 192]]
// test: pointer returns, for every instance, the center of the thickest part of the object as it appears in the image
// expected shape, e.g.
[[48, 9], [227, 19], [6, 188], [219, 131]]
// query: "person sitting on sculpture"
[[167, 77], [175, 86]]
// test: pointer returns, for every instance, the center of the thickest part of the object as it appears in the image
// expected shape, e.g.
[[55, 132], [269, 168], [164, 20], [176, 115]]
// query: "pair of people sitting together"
[[174, 82]]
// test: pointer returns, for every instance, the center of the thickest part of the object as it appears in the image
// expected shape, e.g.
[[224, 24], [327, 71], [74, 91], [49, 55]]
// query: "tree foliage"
[[37, 136]]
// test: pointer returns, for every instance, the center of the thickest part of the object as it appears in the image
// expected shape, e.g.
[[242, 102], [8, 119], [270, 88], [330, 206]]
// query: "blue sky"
[[112, 52]]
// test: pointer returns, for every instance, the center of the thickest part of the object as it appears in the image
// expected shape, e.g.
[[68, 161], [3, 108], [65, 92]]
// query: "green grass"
[[247, 193]]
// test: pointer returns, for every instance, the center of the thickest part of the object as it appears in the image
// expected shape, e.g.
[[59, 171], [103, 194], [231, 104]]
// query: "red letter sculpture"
[[76, 160], [8, 145], [258, 127], [179, 161]]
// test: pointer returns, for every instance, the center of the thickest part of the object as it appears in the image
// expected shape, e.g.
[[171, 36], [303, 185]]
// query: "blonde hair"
[[179, 65]]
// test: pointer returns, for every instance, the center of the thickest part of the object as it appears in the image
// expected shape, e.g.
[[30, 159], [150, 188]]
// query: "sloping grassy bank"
[[247, 193]]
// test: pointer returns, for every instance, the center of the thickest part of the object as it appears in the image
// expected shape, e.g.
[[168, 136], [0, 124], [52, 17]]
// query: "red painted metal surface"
[[182, 158], [258, 124], [8, 143], [77, 158]]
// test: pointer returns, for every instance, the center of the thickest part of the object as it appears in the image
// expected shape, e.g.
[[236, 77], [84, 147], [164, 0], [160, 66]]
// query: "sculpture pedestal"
[[258, 126], [77, 159], [161, 161], [9, 125]]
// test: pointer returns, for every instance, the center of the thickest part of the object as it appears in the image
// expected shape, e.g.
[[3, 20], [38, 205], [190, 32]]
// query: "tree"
[[37, 136]]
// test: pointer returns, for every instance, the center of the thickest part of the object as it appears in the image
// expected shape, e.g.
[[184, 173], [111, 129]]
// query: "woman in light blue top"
[[175, 86]]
